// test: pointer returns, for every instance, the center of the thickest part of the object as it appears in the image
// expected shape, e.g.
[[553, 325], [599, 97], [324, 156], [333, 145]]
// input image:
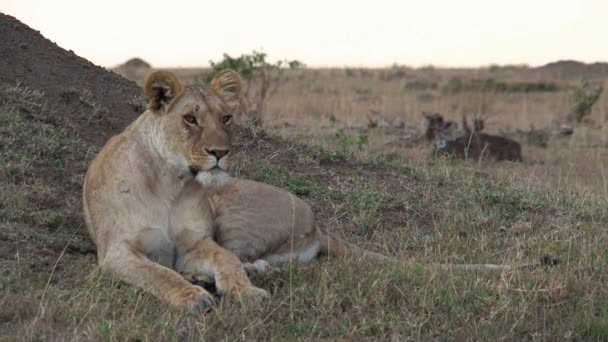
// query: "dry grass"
[[411, 207], [313, 105]]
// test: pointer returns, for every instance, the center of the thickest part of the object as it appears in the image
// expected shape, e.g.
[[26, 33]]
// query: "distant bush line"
[[457, 85]]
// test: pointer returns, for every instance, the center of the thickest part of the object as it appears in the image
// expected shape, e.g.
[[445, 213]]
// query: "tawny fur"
[[260, 221], [144, 208]]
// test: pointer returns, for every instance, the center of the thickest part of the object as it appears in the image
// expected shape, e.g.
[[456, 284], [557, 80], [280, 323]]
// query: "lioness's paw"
[[194, 299], [250, 295], [257, 268], [197, 277]]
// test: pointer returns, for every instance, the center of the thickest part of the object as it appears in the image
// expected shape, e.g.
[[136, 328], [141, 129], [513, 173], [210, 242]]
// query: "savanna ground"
[[377, 188]]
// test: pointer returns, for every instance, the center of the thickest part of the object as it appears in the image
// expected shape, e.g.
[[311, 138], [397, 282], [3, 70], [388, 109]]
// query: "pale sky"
[[324, 32]]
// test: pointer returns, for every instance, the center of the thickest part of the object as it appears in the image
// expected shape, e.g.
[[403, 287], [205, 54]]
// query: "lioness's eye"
[[190, 119], [226, 119]]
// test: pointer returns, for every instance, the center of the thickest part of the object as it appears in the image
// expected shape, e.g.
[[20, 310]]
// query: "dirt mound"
[[573, 70], [137, 63], [56, 109], [135, 69], [96, 102]]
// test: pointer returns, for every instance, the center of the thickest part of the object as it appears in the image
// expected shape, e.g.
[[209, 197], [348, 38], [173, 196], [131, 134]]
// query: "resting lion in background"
[[162, 211]]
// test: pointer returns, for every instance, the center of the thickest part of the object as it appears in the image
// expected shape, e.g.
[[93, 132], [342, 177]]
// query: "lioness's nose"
[[217, 153]]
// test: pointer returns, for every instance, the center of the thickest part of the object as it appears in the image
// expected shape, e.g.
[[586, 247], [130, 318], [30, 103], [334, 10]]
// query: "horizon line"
[[389, 66]]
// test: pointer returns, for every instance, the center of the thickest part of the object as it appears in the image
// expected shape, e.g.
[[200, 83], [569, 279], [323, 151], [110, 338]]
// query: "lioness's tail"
[[339, 248]]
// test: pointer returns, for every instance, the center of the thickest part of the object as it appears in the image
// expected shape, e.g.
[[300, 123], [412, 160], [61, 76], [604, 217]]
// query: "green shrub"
[[458, 85], [245, 64], [538, 137], [346, 141], [256, 69], [583, 97]]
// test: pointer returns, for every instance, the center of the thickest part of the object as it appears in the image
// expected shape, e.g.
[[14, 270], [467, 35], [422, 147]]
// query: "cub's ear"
[[228, 84], [160, 88], [465, 124]]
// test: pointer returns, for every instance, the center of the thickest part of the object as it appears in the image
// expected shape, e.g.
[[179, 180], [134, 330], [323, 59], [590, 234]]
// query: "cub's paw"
[[194, 299]]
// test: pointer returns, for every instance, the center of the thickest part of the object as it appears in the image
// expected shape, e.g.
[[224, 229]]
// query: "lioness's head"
[[192, 122]]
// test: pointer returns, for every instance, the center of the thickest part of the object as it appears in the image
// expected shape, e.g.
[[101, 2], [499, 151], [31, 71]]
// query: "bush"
[[457, 85], [420, 85], [583, 97], [346, 141], [538, 137], [255, 68], [244, 65]]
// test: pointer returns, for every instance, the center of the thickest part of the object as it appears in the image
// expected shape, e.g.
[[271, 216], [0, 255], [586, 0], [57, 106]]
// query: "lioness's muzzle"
[[194, 170]]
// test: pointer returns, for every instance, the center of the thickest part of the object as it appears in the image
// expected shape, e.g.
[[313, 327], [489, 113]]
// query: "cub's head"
[[434, 124], [193, 123]]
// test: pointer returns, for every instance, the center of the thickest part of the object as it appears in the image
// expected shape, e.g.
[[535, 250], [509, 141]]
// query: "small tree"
[[583, 98], [263, 78]]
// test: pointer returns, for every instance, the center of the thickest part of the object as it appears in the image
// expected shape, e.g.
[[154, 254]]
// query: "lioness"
[[161, 209]]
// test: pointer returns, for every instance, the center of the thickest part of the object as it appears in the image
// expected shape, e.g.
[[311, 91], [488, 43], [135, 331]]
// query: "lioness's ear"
[[160, 88], [228, 85]]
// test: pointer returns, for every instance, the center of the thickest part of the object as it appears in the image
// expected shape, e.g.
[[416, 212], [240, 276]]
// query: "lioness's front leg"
[[206, 259], [122, 261]]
